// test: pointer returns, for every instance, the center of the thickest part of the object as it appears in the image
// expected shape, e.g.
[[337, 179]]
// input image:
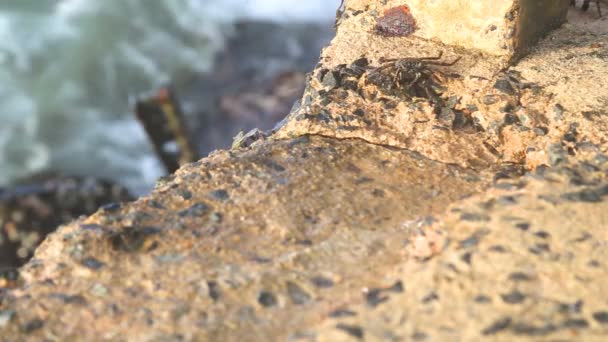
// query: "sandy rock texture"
[[470, 207]]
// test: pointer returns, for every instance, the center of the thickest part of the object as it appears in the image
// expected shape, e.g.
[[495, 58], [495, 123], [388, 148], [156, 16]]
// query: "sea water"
[[70, 69]]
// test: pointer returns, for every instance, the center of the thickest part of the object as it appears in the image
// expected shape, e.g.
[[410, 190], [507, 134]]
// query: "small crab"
[[586, 4], [411, 76]]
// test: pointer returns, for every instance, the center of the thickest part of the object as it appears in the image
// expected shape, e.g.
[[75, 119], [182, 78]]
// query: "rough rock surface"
[[477, 213]]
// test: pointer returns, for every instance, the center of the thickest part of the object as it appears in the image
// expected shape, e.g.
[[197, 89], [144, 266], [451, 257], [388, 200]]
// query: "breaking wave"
[[69, 69]]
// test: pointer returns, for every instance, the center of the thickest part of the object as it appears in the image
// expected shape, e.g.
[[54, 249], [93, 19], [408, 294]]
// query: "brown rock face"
[[405, 198]]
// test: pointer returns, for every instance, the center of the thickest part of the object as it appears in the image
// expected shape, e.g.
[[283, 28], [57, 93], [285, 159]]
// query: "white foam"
[[68, 67]]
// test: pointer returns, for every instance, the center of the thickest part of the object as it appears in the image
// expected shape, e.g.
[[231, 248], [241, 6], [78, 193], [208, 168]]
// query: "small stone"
[[185, 194], [519, 276], [322, 282], [539, 248], [570, 308], [397, 287], [338, 313], [155, 204], [601, 317], [532, 330], [297, 294], [497, 249], [499, 325], [474, 239], [474, 217], [352, 330], [592, 195], [489, 99], [504, 86], [558, 112], [91, 227], [92, 263], [213, 290], [131, 239], [32, 326], [514, 297], [374, 297], [419, 336], [522, 226], [541, 131], [507, 200], [467, 257], [542, 234], [431, 297], [331, 80], [482, 299], [267, 299], [575, 323], [378, 193], [196, 210], [510, 119], [220, 195]]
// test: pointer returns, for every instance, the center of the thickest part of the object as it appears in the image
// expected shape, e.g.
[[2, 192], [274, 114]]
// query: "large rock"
[[499, 27], [477, 212]]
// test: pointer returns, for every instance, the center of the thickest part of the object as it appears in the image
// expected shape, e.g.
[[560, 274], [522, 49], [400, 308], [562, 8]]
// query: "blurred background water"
[[69, 70]]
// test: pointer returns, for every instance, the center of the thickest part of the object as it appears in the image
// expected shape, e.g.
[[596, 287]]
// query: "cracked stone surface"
[[477, 212]]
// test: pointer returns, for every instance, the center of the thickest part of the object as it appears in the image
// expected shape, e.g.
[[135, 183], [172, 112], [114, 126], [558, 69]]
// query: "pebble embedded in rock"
[[514, 297], [220, 195], [92, 263], [331, 80], [297, 294], [601, 317], [213, 290], [482, 299], [474, 217], [352, 330], [32, 326], [342, 313], [267, 299], [196, 210], [322, 282], [185, 194], [499, 325], [520, 276], [419, 336], [504, 86]]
